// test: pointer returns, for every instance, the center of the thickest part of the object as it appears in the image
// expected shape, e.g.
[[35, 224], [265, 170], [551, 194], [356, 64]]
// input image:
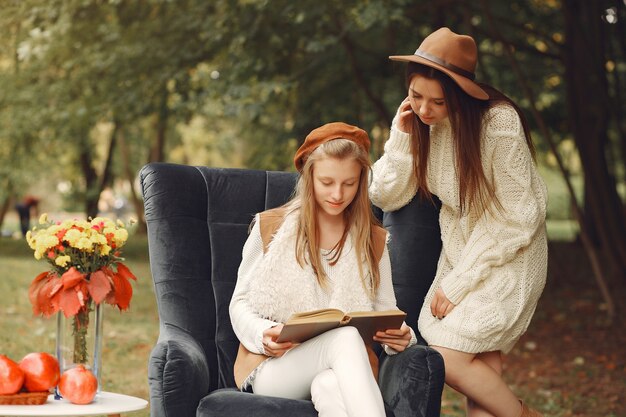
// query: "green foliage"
[[237, 83]]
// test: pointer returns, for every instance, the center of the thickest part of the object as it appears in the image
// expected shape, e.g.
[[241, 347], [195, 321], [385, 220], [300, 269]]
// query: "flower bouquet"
[[87, 270]]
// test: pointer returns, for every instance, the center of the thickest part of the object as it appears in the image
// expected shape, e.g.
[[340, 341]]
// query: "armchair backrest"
[[198, 220]]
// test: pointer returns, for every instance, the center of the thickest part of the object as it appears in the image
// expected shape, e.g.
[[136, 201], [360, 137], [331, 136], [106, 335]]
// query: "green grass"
[[128, 336]]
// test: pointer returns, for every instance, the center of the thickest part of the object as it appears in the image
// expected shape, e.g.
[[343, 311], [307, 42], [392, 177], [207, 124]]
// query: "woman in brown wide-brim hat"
[[468, 144]]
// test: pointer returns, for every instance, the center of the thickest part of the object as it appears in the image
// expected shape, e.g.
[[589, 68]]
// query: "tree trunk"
[[588, 245], [588, 114], [375, 100], [157, 151], [4, 209], [107, 174], [617, 53], [91, 177], [94, 185], [130, 177]]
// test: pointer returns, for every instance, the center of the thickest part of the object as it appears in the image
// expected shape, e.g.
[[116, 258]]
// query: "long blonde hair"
[[358, 217]]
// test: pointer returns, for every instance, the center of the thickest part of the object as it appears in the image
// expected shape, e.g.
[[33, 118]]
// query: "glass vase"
[[79, 340]]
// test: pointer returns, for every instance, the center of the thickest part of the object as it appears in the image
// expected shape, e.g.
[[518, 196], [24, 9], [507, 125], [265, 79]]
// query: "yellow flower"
[[62, 260], [98, 239], [72, 237], [43, 219], [45, 242], [67, 224], [105, 250], [30, 239], [54, 229], [108, 230], [120, 237], [83, 223], [84, 244], [87, 245]]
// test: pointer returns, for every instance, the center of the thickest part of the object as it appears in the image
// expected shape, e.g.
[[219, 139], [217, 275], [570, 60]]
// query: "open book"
[[303, 326]]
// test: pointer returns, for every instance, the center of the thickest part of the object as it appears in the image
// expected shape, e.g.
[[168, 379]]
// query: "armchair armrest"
[[178, 375], [412, 382]]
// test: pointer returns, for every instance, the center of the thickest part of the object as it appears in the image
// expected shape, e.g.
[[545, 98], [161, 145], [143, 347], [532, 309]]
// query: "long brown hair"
[[466, 115], [358, 217]]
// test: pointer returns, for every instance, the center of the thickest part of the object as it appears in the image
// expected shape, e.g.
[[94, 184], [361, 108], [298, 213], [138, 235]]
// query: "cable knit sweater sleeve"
[[248, 325], [393, 185], [497, 237], [386, 298]]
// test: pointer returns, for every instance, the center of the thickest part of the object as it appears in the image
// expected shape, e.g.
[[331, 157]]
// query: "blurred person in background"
[[27, 206]]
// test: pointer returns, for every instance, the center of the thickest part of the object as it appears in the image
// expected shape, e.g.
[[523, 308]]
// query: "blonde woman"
[[469, 145], [322, 249]]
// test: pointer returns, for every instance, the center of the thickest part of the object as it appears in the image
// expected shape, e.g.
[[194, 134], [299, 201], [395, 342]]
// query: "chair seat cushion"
[[229, 402]]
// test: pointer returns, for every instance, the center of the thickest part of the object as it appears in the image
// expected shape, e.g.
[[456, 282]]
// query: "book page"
[[377, 313], [325, 314]]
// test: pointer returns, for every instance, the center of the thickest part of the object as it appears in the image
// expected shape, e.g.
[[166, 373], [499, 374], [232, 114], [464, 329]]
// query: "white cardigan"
[[279, 301], [492, 267]]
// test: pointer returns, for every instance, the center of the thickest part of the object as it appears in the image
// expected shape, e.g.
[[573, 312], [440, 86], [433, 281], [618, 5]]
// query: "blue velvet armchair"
[[198, 220]]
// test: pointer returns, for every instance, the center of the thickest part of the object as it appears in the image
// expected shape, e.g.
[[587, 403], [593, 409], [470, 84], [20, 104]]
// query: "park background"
[[91, 90]]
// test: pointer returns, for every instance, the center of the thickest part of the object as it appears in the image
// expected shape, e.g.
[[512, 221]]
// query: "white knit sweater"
[[271, 286], [492, 267]]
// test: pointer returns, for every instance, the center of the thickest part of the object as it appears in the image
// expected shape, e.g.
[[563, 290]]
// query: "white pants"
[[331, 369]]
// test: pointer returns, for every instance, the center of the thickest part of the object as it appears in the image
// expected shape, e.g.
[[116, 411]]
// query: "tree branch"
[[360, 78]]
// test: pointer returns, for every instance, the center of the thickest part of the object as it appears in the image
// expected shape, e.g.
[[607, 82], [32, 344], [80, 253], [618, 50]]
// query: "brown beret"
[[327, 132]]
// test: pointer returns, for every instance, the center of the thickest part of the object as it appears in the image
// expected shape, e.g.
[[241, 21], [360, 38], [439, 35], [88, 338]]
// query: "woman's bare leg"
[[494, 360], [480, 382]]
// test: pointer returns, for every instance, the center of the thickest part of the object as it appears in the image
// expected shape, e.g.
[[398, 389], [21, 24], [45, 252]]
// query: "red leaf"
[[70, 300], [50, 292], [125, 272], [99, 286], [122, 292], [40, 293], [71, 278], [35, 289]]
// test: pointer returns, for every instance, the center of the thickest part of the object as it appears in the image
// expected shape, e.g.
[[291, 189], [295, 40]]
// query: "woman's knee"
[[347, 334], [324, 384], [347, 340], [455, 363], [326, 395]]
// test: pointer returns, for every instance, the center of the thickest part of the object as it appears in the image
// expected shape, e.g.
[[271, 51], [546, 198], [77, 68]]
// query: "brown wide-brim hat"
[[453, 54], [328, 132]]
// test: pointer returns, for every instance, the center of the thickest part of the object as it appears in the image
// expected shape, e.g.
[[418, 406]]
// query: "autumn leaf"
[[40, 293], [44, 299], [35, 289], [71, 277], [99, 286], [125, 272], [71, 300], [122, 292]]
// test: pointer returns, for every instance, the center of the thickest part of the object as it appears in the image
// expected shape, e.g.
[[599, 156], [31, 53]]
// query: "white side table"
[[105, 403]]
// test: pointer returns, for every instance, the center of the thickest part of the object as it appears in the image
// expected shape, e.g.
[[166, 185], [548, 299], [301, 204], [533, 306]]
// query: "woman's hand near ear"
[[405, 116]]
